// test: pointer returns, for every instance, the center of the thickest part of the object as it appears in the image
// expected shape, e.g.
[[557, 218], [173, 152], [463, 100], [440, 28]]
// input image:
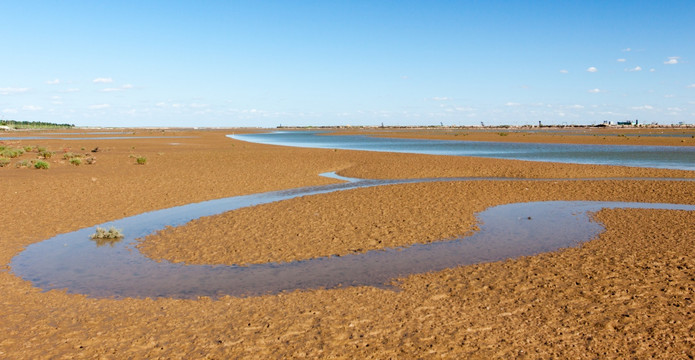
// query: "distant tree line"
[[34, 125]]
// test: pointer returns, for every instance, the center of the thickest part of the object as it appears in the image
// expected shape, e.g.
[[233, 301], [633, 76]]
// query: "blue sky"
[[266, 63]]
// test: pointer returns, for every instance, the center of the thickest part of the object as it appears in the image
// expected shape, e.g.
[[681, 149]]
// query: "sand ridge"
[[627, 294]]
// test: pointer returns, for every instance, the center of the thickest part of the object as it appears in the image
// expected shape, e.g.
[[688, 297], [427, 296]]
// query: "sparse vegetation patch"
[[111, 233]]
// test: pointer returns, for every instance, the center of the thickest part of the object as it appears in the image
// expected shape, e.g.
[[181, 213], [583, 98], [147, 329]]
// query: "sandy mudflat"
[[628, 293]]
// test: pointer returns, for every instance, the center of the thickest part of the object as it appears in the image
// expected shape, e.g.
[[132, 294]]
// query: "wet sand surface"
[[626, 294]]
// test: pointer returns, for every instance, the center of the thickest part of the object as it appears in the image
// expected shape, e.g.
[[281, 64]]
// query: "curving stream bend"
[[73, 262]]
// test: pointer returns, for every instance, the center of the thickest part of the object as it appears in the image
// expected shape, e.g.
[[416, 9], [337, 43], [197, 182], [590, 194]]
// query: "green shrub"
[[40, 149], [76, 161], [23, 163], [4, 162], [41, 165], [69, 155], [11, 153], [28, 148], [141, 160], [111, 233], [45, 154], [503, 134]]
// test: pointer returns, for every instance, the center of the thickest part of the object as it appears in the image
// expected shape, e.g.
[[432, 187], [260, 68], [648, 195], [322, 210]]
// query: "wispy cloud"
[[564, 71], [621, 60], [512, 104], [672, 60], [12, 91], [99, 106], [627, 50], [121, 88], [441, 98], [691, 86], [9, 111], [71, 90], [102, 80], [53, 82], [596, 91], [643, 107], [592, 69], [31, 108], [636, 68]]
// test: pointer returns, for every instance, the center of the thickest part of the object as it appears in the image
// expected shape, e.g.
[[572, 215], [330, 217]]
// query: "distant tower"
[[540, 124]]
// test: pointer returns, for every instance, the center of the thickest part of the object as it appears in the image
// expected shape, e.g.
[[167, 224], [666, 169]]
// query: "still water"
[[80, 265], [665, 157]]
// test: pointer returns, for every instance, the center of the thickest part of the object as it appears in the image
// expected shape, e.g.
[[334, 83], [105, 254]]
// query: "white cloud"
[[575, 107], [652, 70], [643, 107], [564, 71], [668, 96], [102, 80], [31, 107], [636, 68], [53, 82], [672, 60], [595, 91], [11, 91], [592, 69], [691, 86], [71, 90], [9, 111], [621, 60], [512, 104], [160, 104], [198, 106], [112, 89], [627, 50], [99, 106], [441, 98]]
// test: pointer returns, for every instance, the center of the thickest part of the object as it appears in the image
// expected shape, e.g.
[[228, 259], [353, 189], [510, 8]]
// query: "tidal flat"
[[628, 292]]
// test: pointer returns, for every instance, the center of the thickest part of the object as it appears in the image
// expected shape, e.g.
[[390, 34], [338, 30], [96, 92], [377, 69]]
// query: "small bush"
[[111, 233], [69, 155], [4, 162], [28, 148], [23, 163], [141, 160], [11, 153], [76, 161], [40, 149], [41, 165], [91, 160], [45, 154], [503, 134]]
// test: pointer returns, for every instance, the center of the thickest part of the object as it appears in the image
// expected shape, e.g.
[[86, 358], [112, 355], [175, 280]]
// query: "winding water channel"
[[73, 262]]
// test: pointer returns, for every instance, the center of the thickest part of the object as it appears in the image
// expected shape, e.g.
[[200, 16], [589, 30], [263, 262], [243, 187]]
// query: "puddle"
[[117, 269]]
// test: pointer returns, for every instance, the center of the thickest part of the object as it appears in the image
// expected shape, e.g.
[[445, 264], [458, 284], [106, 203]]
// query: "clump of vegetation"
[[4, 161], [90, 160], [28, 148], [45, 154], [23, 163], [503, 134], [76, 161], [10, 152], [111, 233], [69, 155], [141, 160], [41, 165]]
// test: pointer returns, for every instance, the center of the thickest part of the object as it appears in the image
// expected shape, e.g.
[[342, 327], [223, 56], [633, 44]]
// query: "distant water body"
[[664, 157]]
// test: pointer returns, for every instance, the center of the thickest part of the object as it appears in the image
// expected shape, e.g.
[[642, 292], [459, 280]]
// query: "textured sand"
[[626, 294]]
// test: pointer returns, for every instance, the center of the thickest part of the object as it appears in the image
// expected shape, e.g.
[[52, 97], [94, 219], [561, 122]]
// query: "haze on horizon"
[[244, 63]]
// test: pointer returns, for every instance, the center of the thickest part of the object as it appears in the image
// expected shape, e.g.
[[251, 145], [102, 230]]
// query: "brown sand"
[[627, 294]]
